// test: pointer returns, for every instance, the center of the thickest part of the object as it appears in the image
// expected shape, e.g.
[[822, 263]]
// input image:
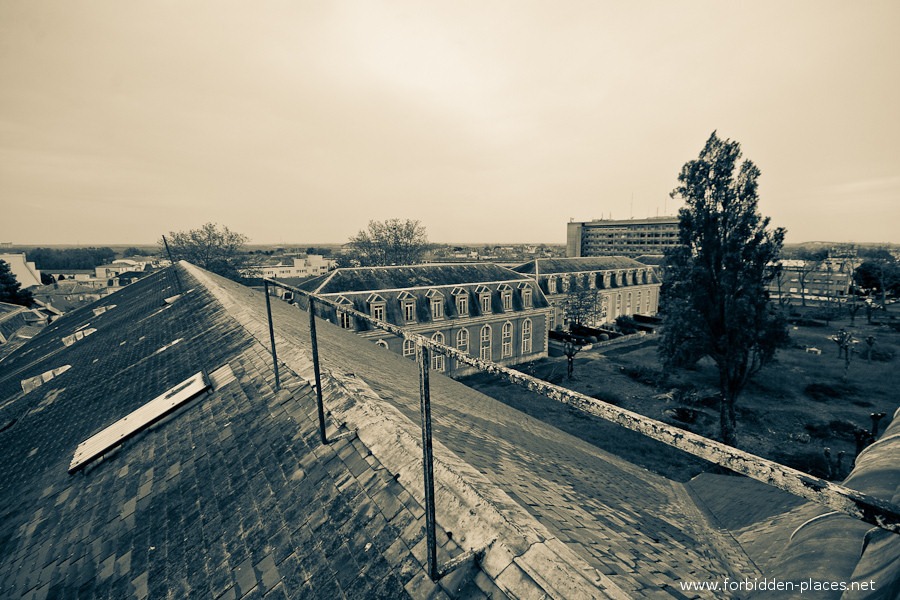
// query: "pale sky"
[[298, 121]]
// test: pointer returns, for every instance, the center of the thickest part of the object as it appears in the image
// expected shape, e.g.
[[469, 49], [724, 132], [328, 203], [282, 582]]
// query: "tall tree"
[[391, 242], [10, 289], [214, 248], [715, 289]]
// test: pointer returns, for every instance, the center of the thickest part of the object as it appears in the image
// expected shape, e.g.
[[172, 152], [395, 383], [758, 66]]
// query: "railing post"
[[315, 356], [272, 335], [423, 355]]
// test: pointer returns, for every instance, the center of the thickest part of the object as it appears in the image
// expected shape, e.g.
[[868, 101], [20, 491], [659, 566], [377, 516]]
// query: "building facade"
[[805, 283], [624, 286], [626, 237], [311, 265], [484, 310], [26, 274]]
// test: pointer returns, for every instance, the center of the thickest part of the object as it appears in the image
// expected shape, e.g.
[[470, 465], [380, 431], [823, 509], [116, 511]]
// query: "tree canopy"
[[715, 286], [53, 259], [11, 290], [391, 242], [214, 248]]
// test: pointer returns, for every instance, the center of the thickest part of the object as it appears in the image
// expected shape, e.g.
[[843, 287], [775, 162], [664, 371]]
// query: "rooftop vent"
[[137, 421]]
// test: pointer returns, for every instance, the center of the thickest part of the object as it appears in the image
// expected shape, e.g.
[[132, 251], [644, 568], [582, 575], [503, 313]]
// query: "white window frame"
[[437, 308], [345, 320], [551, 285], [485, 343], [526, 336], [437, 359], [378, 311], [409, 310], [507, 300], [462, 305], [462, 340], [506, 340], [526, 297], [409, 347], [485, 299]]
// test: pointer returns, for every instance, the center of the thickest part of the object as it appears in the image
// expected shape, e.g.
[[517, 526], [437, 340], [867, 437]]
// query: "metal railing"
[[867, 508]]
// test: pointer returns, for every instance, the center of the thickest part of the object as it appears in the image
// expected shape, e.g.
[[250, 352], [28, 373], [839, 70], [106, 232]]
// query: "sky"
[[298, 121]]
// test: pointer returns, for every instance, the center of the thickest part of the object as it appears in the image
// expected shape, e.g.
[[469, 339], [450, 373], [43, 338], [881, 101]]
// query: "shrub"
[[604, 337], [882, 353], [626, 324]]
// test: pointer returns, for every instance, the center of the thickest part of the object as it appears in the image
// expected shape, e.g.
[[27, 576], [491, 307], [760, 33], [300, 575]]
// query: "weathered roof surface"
[[231, 497], [796, 541], [638, 530], [547, 266], [388, 278], [651, 259]]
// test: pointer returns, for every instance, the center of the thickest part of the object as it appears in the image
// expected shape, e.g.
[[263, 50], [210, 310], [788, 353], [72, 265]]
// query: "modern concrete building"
[[625, 237], [310, 265], [806, 283]]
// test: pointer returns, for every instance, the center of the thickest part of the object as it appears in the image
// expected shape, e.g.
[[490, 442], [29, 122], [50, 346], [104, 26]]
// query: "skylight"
[[138, 420]]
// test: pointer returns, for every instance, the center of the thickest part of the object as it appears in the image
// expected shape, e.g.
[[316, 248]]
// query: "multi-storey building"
[[310, 265], [631, 237], [486, 310], [807, 283], [624, 286]]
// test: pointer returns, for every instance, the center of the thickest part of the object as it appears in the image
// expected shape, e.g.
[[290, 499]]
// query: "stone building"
[[625, 286], [483, 309]]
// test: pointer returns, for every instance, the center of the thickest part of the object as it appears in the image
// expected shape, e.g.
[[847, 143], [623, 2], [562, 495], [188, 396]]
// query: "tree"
[[811, 261], [10, 288], [215, 249], [716, 277], [879, 274], [583, 306], [391, 242]]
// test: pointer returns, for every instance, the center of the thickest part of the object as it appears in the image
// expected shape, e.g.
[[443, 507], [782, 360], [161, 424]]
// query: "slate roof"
[[233, 496], [652, 259], [547, 266], [403, 277]]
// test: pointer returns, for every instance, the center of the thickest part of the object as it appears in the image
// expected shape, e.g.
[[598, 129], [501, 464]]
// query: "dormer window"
[[408, 307], [344, 319], [484, 297], [506, 297], [551, 285], [525, 290], [436, 300], [461, 298], [376, 306], [565, 285], [592, 280]]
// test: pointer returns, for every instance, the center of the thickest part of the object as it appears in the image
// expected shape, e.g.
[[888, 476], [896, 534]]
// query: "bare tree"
[[391, 242], [214, 248]]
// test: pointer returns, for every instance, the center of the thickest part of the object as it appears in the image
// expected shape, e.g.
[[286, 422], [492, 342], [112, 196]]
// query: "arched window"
[[637, 302], [485, 343], [462, 340], [437, 359], [526, 336], [381, 343], [409, 348], [506, 340]]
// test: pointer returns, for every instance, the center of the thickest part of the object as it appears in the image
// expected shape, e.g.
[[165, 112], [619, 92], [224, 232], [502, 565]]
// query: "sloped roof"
[[651, 259], [409, 276], [547, 266], [233, 496]]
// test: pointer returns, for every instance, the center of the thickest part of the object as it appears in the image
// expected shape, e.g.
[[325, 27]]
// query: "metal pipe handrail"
[[865, 507]]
